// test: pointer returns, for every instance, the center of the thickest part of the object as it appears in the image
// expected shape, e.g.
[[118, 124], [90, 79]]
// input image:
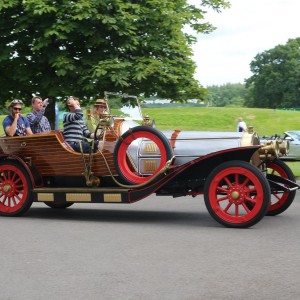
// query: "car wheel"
[[129, 173], [280, 201], [59, 205], [229, 189], [15, 187]]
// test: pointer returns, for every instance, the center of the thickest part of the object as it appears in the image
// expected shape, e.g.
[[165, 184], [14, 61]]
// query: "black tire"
[[59, 205], [126, 172], [280, 202], [15, 189], [228, 189]]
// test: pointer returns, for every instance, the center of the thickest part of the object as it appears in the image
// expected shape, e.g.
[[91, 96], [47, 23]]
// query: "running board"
[[81, 195]]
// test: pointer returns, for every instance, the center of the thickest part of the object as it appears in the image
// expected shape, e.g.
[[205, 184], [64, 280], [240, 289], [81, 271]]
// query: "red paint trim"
[[174, 137]]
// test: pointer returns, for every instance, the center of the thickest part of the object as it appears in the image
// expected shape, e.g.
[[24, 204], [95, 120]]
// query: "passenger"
[[15, 124], [38, 122], [74, 128], [93, 118], [241, 127]]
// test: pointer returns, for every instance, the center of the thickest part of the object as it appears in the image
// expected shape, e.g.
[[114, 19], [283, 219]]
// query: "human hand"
[[17, 116], [45, 102]]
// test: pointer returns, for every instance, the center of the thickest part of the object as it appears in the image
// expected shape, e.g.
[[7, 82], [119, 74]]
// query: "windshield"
[[124, 105], [294, 134]]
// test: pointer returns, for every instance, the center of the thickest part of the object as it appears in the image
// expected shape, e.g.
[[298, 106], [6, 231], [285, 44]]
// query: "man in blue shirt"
[[15, 124], [38, 122]]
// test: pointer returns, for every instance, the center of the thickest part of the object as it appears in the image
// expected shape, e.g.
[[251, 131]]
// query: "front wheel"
[[230, 188], [15, 189], [280, 201]]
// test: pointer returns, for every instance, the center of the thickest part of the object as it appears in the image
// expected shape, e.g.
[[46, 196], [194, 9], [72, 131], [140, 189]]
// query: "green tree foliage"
[[276, 79], [84, 47], [230, 94]]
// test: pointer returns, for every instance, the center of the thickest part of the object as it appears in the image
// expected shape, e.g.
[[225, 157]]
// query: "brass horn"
[[270, 149]]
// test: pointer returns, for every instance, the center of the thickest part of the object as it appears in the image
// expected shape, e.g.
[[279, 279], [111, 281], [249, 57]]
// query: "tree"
[[230, 94], [276, 79], [84, 47]]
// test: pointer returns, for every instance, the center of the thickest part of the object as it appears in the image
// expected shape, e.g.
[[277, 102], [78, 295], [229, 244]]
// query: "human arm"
[[35, 117], [29, 131], [73, 116], [10, 126]]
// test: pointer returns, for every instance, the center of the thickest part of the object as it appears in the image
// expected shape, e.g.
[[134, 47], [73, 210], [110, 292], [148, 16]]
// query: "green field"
[[264, 121]]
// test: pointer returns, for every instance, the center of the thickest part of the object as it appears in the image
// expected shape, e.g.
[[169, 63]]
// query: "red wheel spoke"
[[246, 181], [4, 174], [236, 210], [14, 201], [222, 198], [221, 189], [227, 207], [228, 182], [251, 200], [236, 178], [19, 188], [8, 201], [252, 190], [3, 201], [14, 176], [277, 196], [246, 207]]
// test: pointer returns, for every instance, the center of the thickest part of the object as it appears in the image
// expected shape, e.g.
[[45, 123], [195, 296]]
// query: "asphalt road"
[[160, 248]]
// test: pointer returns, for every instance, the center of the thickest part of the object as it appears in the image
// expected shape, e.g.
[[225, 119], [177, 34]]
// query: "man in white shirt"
[[241, 127]]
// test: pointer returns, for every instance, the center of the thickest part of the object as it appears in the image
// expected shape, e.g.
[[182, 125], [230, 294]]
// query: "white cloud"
[[249, 27]]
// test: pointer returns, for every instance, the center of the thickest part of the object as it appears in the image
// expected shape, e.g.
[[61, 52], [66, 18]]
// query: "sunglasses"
[[17, 108], [16, 101]]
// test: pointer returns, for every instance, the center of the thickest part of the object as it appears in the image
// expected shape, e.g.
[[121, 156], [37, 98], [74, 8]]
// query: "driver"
[[74, 128], [94, 116]]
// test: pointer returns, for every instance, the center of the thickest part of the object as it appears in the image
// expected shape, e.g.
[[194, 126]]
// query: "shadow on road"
[[123, 216]]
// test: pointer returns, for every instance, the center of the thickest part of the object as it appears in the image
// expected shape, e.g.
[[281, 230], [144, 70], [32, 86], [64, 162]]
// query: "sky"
[[247, 28]]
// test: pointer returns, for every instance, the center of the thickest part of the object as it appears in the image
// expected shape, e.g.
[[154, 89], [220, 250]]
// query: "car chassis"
[[241, 180]]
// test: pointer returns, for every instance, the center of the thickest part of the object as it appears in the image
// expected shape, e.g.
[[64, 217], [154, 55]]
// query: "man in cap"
[[38, 122], [15, 124], [94, 116]]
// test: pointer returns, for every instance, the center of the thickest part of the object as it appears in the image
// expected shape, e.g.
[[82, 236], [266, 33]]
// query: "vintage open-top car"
[[241, 181]]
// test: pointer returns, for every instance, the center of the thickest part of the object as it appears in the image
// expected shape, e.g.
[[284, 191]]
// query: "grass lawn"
[[264, 121]]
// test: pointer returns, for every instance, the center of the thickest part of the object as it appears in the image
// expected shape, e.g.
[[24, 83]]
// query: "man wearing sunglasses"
[[15, 124]]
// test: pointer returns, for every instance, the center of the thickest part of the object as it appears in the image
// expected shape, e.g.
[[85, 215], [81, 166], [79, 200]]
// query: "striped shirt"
[[74, 127], [38, 122]]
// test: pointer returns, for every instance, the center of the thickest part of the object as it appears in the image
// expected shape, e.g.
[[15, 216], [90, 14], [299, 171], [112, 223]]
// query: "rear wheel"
[[229, 189], [15, 188], [280, 201], [158, 152]]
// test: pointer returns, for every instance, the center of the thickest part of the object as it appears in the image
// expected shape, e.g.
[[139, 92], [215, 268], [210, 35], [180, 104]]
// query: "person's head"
[[72, 103], [100, 106], [15, 106], [240, 119], [37, 103]]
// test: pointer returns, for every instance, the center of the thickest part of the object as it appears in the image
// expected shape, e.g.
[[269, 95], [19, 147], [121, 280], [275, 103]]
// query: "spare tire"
[[128, 167]]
